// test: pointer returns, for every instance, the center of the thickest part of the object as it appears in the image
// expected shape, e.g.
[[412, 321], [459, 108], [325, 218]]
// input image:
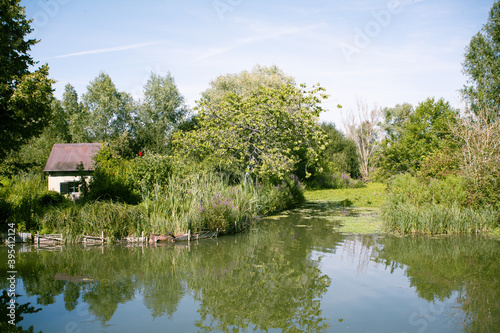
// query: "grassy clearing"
[[357, 210], [373, 195]]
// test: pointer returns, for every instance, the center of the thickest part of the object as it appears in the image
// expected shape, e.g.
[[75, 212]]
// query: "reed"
[[439, 219], [197, 203]]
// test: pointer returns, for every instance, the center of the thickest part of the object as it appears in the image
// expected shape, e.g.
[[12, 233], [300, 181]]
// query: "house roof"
[[67, 156]]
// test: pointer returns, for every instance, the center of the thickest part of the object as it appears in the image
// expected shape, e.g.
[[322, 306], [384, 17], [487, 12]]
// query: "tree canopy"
[[107, 111], [482, 66], [25, 96], [414, 133], [264, 128], [161, 111]]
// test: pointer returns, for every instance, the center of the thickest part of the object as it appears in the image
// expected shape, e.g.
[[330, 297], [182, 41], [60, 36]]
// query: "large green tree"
[[412, 134], [25, 96], [482, 66], [161, 112], [107, 111], [265, 129]]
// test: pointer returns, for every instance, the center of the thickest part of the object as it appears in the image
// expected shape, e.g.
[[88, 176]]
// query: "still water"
[[289, 274]]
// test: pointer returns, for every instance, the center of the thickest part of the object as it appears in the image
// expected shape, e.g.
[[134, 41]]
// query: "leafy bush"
[[149, 170], [435, 206], [410, 189], [24, 199], [110, 180], [334, 181]]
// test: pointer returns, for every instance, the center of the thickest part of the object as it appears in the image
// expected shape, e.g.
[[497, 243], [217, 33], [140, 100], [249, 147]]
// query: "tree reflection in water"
[[263, 279]]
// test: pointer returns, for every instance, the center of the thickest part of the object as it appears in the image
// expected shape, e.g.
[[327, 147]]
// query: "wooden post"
[[102, 236], [235, 226], [189, 235], [142, 236]]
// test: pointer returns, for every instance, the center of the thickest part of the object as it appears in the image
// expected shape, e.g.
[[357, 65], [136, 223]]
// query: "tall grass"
[[438, 219], [24, 199], [435, 207], [201, 202]]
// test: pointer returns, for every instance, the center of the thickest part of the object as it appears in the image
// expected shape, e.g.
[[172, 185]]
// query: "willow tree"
[[265, 129]]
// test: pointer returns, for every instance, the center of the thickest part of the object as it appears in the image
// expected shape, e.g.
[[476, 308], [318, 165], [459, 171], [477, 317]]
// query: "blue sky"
[[384, 51]]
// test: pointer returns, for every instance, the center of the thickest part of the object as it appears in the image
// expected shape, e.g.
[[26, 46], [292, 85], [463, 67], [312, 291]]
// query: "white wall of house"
[[56, 181]]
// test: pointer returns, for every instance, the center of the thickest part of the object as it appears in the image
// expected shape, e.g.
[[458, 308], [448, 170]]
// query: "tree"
[[365, 132], [262, 130], [412, 134], [107, 111], [25, 96], [340, 154], [479, 156], [482, 66], [246, 83], [75, 114], [161, 112]]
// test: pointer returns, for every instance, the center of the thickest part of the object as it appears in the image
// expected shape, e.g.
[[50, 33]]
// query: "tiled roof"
[[67, 156]]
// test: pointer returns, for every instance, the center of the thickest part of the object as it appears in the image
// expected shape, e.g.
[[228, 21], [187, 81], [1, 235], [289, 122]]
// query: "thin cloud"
[[263, 36], [105, 50]]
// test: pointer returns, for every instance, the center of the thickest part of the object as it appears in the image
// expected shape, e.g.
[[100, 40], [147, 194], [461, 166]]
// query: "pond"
[[287, 274]]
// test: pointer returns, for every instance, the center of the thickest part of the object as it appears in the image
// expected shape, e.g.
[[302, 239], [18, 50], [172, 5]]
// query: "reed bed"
[[438, 219], [435, 207], [202, 202]]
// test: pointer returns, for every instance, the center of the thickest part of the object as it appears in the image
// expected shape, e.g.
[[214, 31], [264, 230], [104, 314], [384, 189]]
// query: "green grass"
[[373, 195], [356, 209]]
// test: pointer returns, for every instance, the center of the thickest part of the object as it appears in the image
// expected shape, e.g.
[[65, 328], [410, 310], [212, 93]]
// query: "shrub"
[[435, 206], [110, 180], [334, 181], [149, 170]]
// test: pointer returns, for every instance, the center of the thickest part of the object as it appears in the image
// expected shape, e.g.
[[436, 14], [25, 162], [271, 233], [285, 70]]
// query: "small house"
[[63, 166]]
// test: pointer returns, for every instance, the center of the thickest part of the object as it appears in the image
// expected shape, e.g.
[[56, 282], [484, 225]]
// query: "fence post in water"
[[102, 236], [142, 237], [189, 235], [235, 226]]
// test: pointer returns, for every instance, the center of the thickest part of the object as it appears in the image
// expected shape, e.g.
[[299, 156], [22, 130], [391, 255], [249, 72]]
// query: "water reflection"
[[287, 275]]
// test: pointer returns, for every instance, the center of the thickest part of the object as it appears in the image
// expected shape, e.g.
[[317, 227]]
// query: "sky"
[[385, 52]]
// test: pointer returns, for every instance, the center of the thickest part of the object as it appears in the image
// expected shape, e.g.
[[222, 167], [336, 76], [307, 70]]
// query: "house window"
[[69, 187]]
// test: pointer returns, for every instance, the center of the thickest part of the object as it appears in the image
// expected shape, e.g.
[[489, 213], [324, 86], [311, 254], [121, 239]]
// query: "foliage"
[[246, 83], [148, 171], [200, 202], [24, 199], [440, 163], [263, 131], [479, 157], [482, 66], [412, 134], [327, 180], [25, 96], [339, 157], [107, 112], [410, 189], [436, 206], [32, 156], [110, 179], [160, 113]]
